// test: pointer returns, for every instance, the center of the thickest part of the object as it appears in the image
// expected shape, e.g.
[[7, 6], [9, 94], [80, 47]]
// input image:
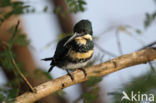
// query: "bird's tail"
[[51, 68], [47, 59], [51, 64]]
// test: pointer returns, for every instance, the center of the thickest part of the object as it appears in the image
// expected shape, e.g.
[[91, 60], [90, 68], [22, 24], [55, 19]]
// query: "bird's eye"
[[83, 30]]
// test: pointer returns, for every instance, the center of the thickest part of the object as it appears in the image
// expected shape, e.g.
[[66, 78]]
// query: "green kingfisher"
[[73, 52]]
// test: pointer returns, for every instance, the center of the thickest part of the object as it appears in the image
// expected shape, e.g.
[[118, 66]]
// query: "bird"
[[74, 52]]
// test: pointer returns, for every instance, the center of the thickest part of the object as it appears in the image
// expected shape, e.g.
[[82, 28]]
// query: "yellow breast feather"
[[78, 55], [88, 36], [82, 39]]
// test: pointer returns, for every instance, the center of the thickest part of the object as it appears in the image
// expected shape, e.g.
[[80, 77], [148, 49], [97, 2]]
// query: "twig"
[[20, 73], [9, 47], [149, 45], [11, 41], [104, 51], [118, 42], [102, 69], [6, 46], [151, 66]]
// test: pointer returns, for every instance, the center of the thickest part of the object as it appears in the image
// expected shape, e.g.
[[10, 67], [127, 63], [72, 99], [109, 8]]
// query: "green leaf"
[[149, 19], [33, 10], [60, 93], [12, 93], [154, 15], [145, 83], [18, 38], [138, 31], [90, 97], [5, 3], [38, 72], [82, 2], [45, 9], [93, 81], [81, 8], [76, 5], [7, 15], [57, 10], [7, 95], [5, 60], [21, 40]]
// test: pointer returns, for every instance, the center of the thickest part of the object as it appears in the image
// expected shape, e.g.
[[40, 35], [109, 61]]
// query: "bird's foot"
[[72, 78], [84, 71]]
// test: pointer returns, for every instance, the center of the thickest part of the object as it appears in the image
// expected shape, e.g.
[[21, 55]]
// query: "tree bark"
[[139, 57]]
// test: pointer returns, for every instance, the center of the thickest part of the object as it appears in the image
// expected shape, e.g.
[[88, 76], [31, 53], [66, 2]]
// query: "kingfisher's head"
[[83, 27]]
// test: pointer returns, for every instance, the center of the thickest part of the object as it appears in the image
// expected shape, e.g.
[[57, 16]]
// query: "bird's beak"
[[70, 39]]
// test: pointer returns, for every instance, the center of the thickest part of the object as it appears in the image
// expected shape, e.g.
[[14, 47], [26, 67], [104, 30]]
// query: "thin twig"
[[9, 45], [16, 67], [147, 46], [118, 41], [11, 41], [151, 66], [6, 46], [20, 73]]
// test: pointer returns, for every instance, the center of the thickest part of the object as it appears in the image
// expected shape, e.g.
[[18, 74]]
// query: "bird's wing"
[[62, 50]]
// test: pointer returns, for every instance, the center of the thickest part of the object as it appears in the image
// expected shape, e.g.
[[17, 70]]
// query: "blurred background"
[[119, 27]]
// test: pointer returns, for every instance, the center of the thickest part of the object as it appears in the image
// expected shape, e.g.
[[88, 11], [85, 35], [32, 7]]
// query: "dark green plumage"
[[83, 48], [60, 49], [83, 27]]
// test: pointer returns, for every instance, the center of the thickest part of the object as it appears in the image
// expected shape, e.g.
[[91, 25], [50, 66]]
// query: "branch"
[[102, 69], [118, 41], [20, 73], [149, 45]]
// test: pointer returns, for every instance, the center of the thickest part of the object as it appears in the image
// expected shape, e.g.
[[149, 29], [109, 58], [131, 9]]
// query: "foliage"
[[15, 8], [76, 5], [20, 7], [92, 92], [91, 96], [143, 84], [38, 72], [93, 81], [7, 92], [18, 38], [7, 61], [149, 19]]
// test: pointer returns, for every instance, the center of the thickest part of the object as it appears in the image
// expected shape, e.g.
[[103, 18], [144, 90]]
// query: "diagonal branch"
[[102, 69], [149, 45]]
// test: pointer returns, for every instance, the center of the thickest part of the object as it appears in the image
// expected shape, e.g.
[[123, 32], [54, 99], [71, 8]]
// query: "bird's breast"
[[82, 48], [79, 51], [80, 55], [74, 65], [82, 40]]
